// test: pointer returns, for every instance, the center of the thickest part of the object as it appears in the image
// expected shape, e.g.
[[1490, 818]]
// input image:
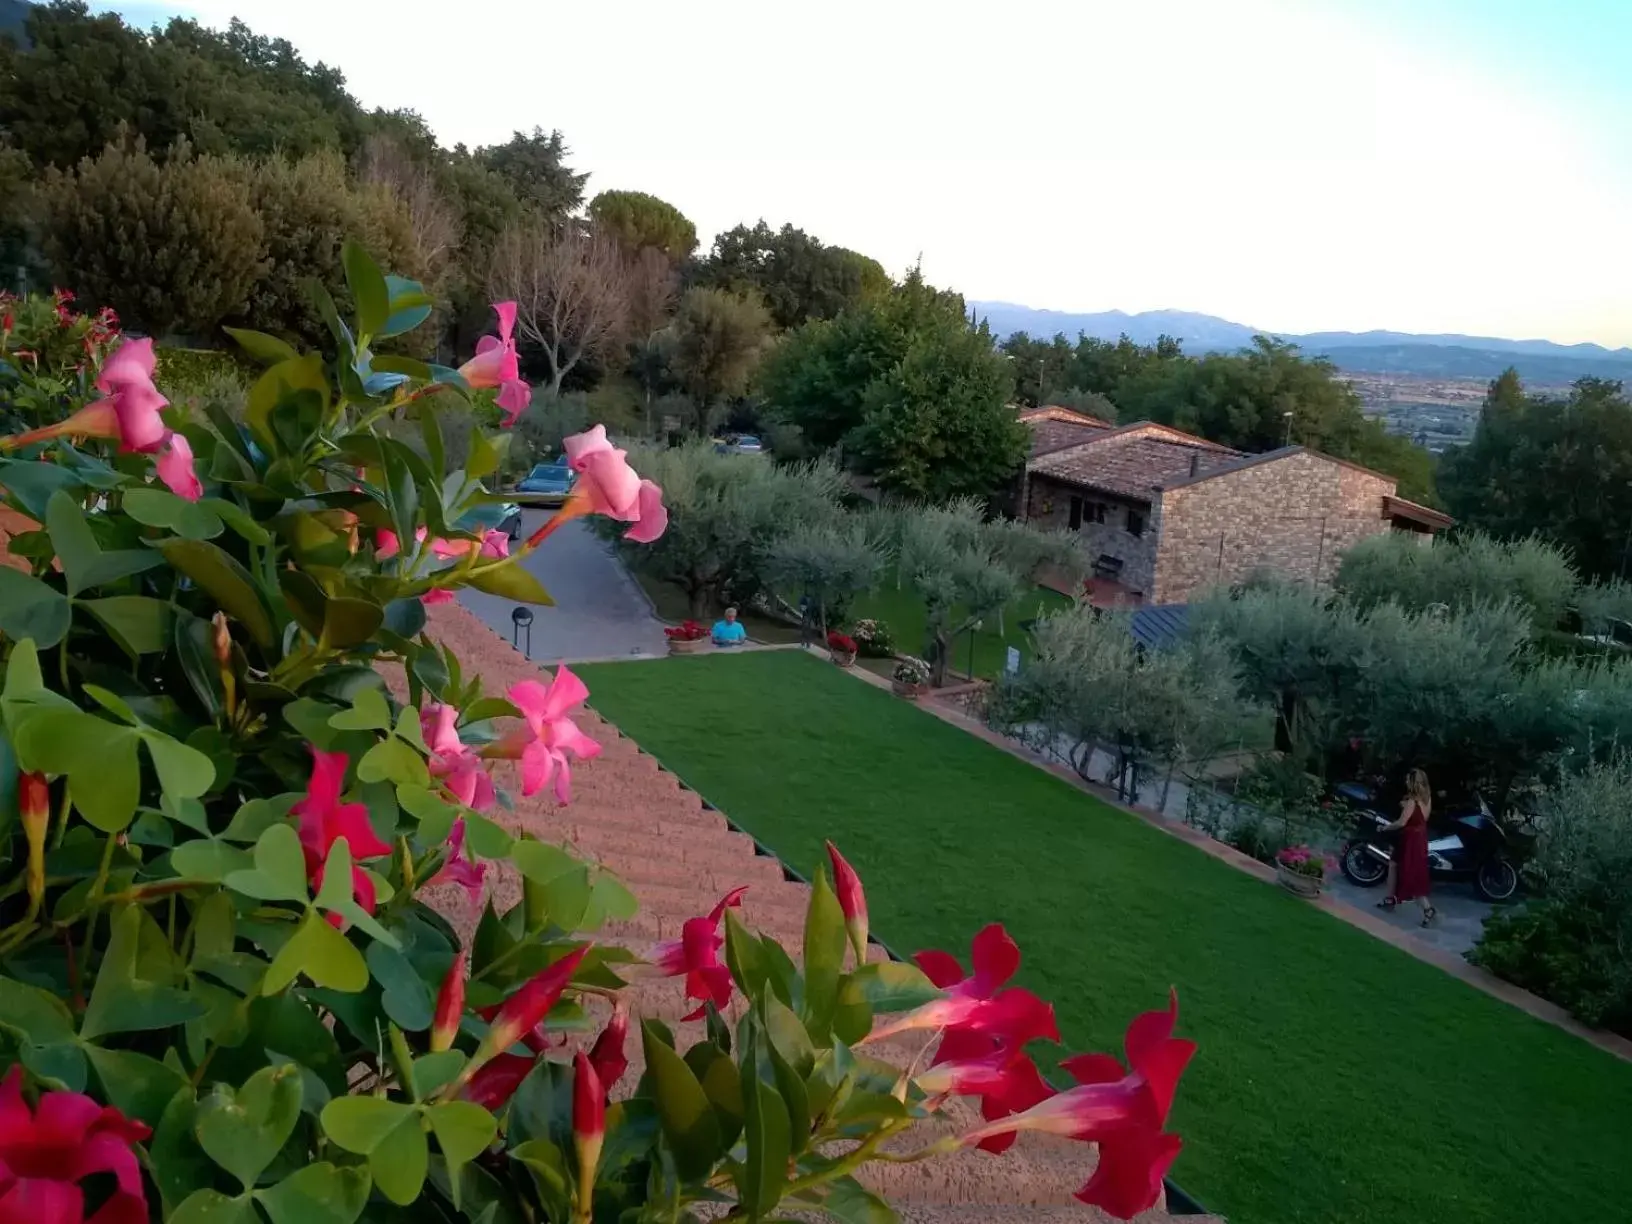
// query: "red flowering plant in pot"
[[225, 991], [841, 648], [1304, 870], [687, 637]]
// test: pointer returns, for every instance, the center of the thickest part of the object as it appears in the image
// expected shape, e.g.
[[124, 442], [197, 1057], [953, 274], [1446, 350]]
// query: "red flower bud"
[[494, 1085], [607, 1055], [450, 1006], [34, 805], [523, 1011], [851, 900], [588, 1128]]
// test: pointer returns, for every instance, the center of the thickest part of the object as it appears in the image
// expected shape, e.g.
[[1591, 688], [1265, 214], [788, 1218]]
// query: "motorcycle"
[[1471, 844]]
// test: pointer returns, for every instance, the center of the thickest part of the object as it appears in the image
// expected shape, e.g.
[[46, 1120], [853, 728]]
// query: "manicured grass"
[[1339, 1080], [903, 612]]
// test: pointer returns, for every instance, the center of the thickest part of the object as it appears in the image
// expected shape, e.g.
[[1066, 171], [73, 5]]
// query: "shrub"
[[841, 643], [911, 671], [873, 639], [175, 247], [187, 371]]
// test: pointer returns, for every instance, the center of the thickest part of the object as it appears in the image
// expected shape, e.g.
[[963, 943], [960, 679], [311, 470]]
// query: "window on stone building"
[[1095, 512], [1076, 513], [1136, 523]]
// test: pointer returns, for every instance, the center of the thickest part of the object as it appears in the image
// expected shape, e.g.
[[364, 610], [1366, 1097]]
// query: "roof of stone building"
[[679, 856], [1054, 428], [1135, 460]]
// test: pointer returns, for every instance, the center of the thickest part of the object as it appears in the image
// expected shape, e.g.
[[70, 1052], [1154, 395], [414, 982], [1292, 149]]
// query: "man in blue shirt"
[[729, 631]]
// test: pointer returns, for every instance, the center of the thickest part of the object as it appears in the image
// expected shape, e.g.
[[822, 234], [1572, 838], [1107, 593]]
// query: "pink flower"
[[460, 769], [45, 1153], [324, 820], [549, 736], [175, 465], [996, 957], [496, 365], [460, 868], [494, 544], [696, 957], [852, 901], [127, 379], [438, 596], [386, 544], [607, 1056], [1121, 1110], [607, 485], [514, 396]]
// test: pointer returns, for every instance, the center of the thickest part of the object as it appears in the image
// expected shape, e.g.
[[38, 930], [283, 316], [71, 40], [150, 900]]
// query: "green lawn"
[[903, 612], [1338, 1081]]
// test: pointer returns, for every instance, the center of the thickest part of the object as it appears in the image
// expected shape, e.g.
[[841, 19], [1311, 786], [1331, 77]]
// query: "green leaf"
[[99, 757], [825, 942], [31, 609], [548, 1168], [350, 622], [486, 453], [224, 579], [511, 581], [400, 1162], [213, 1207], [136, 1085], [284, 380], [367, 285], [402, 494], [268, 350], [405, 997], [361, 1123], [240, 520], [790, 1082], [318, 1194], [73, 539], [849, 1202], [368, 712], [184, 773], [243, 1131], [744, 956], [722, 1085], [141, 625], [155, 507], [31, 482], [435, 817], [45, 1033], [409, 306], [608, 898], [179, 1165], [434, 1071], [323, 954], [256, 816], [391, 760], [689, 1124], [464, 1130], [210, 860], [787, 1036], [123, 1001], [279, 873], [890, 986], [765, 1126]]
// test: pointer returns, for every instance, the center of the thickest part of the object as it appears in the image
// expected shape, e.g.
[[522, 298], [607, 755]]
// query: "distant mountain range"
[[1372, 352]]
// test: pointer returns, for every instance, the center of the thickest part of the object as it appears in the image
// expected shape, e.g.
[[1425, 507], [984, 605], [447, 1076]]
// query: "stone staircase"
[[679, 857]]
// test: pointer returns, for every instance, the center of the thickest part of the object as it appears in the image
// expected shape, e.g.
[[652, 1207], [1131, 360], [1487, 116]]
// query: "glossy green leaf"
[[213, 1207], [402, 494], [367, 285], [350, 622], [825, 1078], [135, 1084], [406, 998], [410, 306], [30, 483], [209, 860], [279, 873], [361, 1123], [320, 952], [722, 1085], [195, 651], [243, 1131], [368, 712], [31, 609], [268, 350], [179, 1166], [544, 1162], [787, 1035], [463, 1129], [154, 507], [256, 816], [240, 520], [318, 1194], [511, 581], [287, 378], [744, 956], [849, 1202], [767, 1132], [73, 539], [890, 986], [825, 942], [125, 999], [184, 773], [227, 581], [391, 760], [400, 1162], [141, 625], [689, 1124]]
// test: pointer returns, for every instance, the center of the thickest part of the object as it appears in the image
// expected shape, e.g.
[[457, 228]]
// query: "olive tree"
[[829, 562]]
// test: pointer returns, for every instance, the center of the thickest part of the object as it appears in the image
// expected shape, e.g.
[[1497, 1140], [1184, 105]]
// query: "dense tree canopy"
[[534, 167], [643, 222], [1557, 467], [799, 277]]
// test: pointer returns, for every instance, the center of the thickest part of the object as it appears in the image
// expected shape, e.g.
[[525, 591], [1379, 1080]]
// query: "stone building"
[[1163, 514]]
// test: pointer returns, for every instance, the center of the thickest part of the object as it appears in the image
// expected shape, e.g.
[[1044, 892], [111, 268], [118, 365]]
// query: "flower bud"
[[524, 1011], [34, 805], [607, 1056], [450, 1006], [852, 901], [221, 639], [588, 1129]]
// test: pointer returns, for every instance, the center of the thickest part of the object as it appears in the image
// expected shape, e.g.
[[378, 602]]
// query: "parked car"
[[493, 516], [546, 485], [748, 444]]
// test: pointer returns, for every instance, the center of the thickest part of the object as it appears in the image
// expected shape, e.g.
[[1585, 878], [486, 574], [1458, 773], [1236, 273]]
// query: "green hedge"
[[182, 371]]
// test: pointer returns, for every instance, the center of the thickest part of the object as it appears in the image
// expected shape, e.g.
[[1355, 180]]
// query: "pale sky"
[[1297, 165]]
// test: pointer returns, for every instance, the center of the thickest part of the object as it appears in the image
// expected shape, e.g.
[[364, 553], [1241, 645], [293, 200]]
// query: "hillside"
[[1373, 352], [12, 15]]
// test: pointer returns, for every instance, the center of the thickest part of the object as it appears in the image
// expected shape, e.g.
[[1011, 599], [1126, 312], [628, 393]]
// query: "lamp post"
[[521, 618], [1287, 417]]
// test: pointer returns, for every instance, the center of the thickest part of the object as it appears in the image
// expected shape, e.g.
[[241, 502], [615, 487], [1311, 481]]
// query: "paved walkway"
[[600, 611]]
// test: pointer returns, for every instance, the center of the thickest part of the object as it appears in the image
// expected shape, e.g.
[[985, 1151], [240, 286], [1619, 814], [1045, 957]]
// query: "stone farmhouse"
[[1163, 514]]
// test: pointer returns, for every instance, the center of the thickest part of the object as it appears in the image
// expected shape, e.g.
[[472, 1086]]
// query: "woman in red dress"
[[1408, 873]]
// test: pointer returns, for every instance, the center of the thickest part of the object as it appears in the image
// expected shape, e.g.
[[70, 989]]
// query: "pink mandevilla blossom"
[[608, 486], [324, 820], [175, 466], [45, 1153], [696, 957], [496, 365], [1122, 1110], [549, 737], [127, 379], [461, 868], [455, 763]]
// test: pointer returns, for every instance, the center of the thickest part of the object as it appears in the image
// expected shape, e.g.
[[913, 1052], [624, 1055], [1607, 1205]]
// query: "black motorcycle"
[[1466, 843]]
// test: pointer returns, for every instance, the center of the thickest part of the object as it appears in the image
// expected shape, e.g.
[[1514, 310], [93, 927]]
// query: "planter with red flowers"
[[227, 993], [841, 648], [1304, 871], [688, 637]]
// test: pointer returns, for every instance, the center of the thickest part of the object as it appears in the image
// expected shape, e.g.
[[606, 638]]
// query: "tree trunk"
[[1285, 720], [696, 599], [1167, 785], [937, 660]]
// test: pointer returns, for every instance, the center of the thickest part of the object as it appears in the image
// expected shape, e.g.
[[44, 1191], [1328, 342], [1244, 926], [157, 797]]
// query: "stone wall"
[[1049, 508], [1294, 516]]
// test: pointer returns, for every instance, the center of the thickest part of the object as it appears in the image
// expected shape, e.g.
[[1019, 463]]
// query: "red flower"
[[450, 1006], [696, 957], [525, 1010], [996, 957], [1121, 1110], [852, 901], [68, 1137], [841, 642], [607, 1055], [978, 1017], [324, 820], [1005, 1080], [685, 631], [496, 1082]]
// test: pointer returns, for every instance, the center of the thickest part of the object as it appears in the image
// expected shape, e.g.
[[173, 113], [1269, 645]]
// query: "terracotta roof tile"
[[1048, 434], [1132, 466]]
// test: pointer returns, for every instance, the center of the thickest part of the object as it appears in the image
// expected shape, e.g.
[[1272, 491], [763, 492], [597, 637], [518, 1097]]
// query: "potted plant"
[[841, 648], [688, 637], [910, 678], [873, 639], [1303, 870]]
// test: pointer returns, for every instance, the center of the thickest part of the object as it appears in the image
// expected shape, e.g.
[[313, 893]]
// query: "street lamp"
[[1287, 417], [521, 618]]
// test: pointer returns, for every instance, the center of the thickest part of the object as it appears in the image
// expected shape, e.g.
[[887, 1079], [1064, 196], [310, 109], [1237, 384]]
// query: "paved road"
[[599, 612]]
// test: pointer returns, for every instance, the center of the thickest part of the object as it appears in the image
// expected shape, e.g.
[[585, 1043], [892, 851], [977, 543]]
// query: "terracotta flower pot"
[[1297, 882], [685, 646], [844, 658]]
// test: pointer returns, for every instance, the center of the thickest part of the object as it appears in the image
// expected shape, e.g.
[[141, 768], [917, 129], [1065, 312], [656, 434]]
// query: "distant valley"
[[1541, 363]]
